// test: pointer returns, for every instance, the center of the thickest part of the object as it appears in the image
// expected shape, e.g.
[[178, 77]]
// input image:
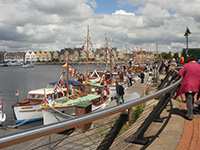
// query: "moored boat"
[[29, 110], [28, 65], [69, 107], [2, 114]]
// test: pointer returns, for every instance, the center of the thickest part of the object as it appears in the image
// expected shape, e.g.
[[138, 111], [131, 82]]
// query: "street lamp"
[[187, 33]]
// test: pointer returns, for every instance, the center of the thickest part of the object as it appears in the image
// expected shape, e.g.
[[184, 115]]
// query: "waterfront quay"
[[132, 125]]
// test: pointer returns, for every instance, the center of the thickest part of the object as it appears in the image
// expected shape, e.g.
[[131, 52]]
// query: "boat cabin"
[[38, 96]]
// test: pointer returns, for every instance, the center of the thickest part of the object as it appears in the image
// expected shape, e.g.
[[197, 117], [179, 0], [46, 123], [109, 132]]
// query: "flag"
[[65, 65], [45, 100], [187, 32], [72, 71]]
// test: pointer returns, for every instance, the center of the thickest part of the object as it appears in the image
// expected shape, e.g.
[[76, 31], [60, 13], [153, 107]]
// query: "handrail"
[[22, 136]]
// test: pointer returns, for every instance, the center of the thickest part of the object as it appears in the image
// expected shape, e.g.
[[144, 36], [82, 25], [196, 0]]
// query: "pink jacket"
[[191, 78]]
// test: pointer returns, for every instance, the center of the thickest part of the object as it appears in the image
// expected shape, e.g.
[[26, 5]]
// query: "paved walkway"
[[190, 139], [179, 134]]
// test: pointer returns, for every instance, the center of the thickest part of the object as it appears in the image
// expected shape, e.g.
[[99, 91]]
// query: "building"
[[2, 56], [141, 56], [72, 54], [43, 56], [195, 52], [14, 56], [30, 56], [55, 56]]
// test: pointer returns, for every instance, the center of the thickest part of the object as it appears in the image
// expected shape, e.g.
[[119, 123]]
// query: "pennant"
[[45, 100]]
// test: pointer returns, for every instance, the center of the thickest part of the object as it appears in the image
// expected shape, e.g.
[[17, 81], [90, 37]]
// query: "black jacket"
[[120, 90]]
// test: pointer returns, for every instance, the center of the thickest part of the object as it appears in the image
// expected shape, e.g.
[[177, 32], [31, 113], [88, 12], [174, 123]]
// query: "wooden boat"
[[29, 110], [69, 107]]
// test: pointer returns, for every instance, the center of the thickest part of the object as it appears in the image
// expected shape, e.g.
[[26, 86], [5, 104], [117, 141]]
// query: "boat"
[[109, 79], [29, 110], [30, 65], [75, 105], [2, 114], [14, 63]]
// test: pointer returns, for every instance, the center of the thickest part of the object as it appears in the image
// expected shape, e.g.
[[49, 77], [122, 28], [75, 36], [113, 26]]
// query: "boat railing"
[[100, 129]]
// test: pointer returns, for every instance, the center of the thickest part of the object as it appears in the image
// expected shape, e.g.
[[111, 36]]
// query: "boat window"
[[35, 96]]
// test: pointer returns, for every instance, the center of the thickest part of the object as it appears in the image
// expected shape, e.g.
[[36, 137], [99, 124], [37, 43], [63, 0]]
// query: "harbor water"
[[20, 79]]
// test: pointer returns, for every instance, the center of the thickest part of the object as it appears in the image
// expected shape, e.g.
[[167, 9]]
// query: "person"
[[130, 63], [142, 76], [190, 84], [119, 93], [105, 91], [182, 61], [173, 64], [129, 78], [199, 61]]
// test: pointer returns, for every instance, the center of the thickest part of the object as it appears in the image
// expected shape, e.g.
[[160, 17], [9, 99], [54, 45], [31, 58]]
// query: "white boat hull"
[[2, 117], [28, 66], [27, 113], [50, 116]]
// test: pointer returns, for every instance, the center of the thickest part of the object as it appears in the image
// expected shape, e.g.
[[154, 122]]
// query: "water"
[[26, 79]]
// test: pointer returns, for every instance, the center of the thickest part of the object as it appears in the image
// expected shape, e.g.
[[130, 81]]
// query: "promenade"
[[179, 133]]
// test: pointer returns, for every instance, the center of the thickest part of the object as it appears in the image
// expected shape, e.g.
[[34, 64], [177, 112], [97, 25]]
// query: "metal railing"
[[38, 132]]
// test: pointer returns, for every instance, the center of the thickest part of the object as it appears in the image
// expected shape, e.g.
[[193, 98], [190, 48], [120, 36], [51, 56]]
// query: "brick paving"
[[190, 139]]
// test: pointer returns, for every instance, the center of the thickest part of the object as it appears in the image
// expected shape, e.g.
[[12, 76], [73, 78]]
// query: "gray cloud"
[[54, 24]]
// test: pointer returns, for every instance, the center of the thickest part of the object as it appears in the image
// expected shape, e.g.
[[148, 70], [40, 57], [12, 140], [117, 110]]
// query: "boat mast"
[[108, 54], [87, 42], [67, 62]]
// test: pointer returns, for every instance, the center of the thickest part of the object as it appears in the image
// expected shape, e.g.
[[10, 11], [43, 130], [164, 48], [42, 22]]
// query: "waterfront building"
[[30, 56], [100, 54], [2, 56], [121, 56], [114, 53], [43, 56], [14, 56], [141, 56], [55, 56], [48, 56], [195, 52], [76, 55], [73, 53]]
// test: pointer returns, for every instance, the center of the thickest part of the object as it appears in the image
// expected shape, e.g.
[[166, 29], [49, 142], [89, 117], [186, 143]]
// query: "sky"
[[55, 24]]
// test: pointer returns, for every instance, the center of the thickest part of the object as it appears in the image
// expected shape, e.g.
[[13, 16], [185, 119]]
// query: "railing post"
[[130, 114], [138, 137], [110, 137], [168, 80]]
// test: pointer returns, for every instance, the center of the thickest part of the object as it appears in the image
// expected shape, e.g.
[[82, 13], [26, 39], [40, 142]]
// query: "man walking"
[[119, 93]]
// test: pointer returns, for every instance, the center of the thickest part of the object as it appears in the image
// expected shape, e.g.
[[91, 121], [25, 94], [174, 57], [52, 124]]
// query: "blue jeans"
[[120, 99], [189, 102]]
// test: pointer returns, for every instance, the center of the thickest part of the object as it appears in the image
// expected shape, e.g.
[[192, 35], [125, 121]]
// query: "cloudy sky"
[[55, 24]]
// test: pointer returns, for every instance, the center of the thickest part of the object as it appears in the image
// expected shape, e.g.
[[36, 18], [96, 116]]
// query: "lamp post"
[[187, 33]]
